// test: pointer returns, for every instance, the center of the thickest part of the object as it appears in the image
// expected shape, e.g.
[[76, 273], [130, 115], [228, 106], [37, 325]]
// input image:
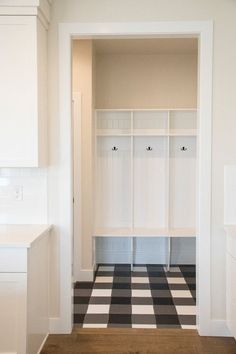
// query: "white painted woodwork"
[[230, 195], [13, 312], [38, 294], [63, 206], [113, 122], [185, 121], [231, 293], [40, 8], [231, 278], [19, 255], [150, 122], [145, 181], [23, 133], [24, 288], [230, 222], [182, 191], [144, 232], [150, 182], [113, 182]]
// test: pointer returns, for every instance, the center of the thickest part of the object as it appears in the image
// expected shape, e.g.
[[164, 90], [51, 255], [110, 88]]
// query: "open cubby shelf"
[[146, 122], [145, 173]]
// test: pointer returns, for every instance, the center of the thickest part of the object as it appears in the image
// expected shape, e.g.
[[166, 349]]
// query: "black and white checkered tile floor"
[[148, 297]]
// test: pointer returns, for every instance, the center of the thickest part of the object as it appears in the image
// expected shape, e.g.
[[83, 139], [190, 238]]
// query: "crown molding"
[[40, 8]]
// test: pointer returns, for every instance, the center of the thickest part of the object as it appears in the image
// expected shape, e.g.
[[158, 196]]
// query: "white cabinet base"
[[13, 312], [24, 288]]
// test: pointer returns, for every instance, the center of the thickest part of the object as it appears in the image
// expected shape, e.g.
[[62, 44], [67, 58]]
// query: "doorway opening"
[[136, 154], [203, 30]]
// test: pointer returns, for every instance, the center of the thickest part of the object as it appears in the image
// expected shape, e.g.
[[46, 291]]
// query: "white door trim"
[[204, 31]]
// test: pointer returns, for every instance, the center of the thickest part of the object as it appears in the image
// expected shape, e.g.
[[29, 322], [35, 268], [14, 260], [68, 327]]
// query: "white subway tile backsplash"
[[31, 206]]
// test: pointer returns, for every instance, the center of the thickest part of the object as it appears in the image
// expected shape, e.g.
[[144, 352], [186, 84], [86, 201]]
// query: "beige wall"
[[224, 107], [82, 75], [146, 81]]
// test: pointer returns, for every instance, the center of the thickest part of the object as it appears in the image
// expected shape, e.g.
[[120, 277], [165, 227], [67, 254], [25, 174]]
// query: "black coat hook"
[[114, 148], [183, 148], [149, 148]]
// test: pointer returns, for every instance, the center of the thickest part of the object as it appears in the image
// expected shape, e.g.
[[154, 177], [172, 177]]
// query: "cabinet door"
[[13, 313], [18, 91]]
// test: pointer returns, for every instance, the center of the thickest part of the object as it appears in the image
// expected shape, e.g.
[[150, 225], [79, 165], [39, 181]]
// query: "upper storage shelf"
[[150, 122], [113, 122], [183, 122]]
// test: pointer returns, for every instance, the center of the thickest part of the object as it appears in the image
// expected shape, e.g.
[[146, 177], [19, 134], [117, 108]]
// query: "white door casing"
[[202, 30]]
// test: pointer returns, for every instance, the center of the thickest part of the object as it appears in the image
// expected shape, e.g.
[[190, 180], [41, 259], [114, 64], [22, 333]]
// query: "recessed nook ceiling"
[[147, 46]]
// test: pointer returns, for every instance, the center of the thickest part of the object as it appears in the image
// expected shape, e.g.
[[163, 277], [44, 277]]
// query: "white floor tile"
[[188, 327], [172, 269], [181, 293], [98, 309], [176, 280], [186, 310], [139, 269], [142, 310], [94, 325], [106, 268], [143, 326], [101, 292], [141, 293], [140, 280], [100, 279]]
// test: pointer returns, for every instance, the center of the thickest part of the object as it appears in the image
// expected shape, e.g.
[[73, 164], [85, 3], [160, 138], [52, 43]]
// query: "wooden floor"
[[137, 341]]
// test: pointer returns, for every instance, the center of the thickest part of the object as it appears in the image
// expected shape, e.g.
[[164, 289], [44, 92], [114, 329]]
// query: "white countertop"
[[21, 235]]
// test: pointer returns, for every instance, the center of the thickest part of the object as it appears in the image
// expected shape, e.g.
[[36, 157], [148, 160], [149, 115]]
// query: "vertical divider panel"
[[132, 170], [96, 170], [168, 174], [168, 200]]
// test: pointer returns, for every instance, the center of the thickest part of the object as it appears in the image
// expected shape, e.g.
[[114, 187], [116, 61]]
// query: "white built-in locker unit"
[[145, 173]]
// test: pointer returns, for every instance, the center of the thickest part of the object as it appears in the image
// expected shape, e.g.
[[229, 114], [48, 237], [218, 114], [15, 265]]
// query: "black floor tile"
[[155, 305]]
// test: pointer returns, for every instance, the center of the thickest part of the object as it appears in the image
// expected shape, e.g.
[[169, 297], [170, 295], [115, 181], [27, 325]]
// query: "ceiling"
[[147, 46]]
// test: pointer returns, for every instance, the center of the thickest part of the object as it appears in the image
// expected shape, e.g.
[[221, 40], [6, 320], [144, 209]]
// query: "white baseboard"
[[56, 326], [215, 328], [84, 275], [43, 342]]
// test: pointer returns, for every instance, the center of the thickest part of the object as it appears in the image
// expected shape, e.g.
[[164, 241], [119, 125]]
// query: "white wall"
[[224, 108], [230, 195], [30, 205]]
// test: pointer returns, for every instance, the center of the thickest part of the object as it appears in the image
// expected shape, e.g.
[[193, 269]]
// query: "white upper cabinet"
[[23, 91]]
